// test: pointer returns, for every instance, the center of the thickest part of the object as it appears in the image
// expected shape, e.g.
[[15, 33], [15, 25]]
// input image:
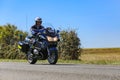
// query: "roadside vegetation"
[[9, 37], [101, 56], [69, 44], [86, 58], [69, 49]]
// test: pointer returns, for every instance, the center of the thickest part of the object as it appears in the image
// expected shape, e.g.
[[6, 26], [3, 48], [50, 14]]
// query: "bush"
[[69, 46], [11, 52], [9, 37]]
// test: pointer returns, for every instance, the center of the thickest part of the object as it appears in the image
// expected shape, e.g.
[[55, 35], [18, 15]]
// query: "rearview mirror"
[[21, 37], [58, 31]]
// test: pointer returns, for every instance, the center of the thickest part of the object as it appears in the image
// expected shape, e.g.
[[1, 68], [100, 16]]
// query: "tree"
[[9, 34], [9, 37], [69, 45]]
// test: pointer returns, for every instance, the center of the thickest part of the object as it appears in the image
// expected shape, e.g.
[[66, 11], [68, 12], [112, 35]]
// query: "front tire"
[[31, 58], [53, 57]]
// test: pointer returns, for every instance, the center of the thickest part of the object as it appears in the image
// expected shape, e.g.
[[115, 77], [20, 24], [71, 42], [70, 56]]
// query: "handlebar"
[[38, 30]]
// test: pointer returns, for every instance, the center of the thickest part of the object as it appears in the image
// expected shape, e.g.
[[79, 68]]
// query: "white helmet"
[[38, 19]]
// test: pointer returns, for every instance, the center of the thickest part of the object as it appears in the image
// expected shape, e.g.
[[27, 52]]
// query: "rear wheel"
[[53, 57], [31, 58]]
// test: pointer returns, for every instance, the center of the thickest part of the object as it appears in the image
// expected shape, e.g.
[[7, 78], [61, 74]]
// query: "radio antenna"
[[26, 22]]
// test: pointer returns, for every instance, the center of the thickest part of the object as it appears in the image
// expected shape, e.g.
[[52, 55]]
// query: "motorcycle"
[[43, 46]]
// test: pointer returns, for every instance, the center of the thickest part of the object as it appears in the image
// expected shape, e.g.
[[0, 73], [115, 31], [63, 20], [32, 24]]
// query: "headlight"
[[52, 38]]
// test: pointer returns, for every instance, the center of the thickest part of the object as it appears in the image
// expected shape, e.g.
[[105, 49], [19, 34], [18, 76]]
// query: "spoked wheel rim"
[[52, 59], [30, 57]]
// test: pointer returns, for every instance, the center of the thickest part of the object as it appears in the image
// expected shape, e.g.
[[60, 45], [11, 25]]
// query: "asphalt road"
[[25, 71]]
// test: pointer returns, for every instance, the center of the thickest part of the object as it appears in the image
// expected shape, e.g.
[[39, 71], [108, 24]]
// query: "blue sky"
[[97, 22]]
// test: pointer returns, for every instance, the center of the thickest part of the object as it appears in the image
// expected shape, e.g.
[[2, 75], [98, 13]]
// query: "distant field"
[[101, 55], [101, 50]]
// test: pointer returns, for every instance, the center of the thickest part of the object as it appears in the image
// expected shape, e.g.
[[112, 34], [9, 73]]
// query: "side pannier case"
[[24, 47]]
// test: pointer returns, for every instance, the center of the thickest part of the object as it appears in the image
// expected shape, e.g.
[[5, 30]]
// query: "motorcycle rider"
[[37, 26], [35, 30]]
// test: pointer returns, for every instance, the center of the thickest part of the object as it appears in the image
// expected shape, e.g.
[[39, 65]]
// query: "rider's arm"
[[33, 28], [42, 27]]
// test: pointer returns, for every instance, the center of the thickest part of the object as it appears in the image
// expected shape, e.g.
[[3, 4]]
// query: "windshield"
[[48, 25]]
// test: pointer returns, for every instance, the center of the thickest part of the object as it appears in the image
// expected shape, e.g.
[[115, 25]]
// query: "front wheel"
[[53, 57], [31, 58]]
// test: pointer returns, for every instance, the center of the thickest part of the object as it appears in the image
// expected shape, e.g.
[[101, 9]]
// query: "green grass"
[[12, 60], [98, 62], [43, 61]]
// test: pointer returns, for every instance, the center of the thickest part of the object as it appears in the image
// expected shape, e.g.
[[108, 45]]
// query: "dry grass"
[[101, 56], [109, 56]]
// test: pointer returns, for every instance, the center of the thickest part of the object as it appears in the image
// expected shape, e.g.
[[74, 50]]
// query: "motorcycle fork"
[[50, 49]]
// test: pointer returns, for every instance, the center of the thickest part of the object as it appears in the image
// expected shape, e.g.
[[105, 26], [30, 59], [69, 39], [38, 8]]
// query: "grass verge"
[[98, 62], [43, 61], [101, 58]]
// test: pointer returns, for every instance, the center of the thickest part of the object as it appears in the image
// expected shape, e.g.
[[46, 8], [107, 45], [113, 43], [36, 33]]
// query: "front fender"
[[52, 49]]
